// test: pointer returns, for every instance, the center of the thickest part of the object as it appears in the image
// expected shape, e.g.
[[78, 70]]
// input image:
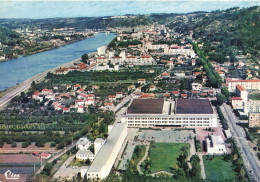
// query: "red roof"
[[203, 94], [35, 153], [36, 93], [194, 92], [184, 95], [236, 98], [146, 56], [66, 109], [244, 80], [166, 74], [175, 92], [44, 154], [240, 87]]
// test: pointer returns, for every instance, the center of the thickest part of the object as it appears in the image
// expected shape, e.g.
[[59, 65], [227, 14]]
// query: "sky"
[[52, 9]]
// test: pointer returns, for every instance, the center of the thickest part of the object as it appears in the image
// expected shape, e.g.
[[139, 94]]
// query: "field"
[[254, 96], [18, 159], [164, 155], [218, 170]]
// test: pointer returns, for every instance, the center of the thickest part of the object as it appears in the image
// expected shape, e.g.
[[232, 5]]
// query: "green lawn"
[[218, 170], [164, 155], [254, 96]]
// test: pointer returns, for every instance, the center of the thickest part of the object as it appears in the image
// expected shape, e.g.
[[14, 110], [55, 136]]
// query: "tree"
[[24, 145], [226, 93], [84, 58], [14, 144], [47, 169], [221, 98]]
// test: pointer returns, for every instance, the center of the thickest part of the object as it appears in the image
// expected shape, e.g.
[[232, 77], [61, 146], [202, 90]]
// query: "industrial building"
[[180, 113], [103, 162]]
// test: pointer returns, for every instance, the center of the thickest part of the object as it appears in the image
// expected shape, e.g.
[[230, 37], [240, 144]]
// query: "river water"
[[20, 69]]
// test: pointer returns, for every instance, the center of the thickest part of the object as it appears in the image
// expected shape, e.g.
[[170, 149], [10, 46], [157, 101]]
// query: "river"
[[18, 70]]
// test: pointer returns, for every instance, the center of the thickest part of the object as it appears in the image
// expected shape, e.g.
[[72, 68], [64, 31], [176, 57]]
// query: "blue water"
[[20, 69]]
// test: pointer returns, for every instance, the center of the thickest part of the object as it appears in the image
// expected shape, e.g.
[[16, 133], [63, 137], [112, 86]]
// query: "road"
[[27, 83], [250, 160], [56, 156]]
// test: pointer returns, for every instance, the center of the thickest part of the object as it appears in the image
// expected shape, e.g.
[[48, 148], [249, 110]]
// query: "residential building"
[[254, 120], [252, 106], [141, 81], [237, 103], [251, 85], [241, 92]]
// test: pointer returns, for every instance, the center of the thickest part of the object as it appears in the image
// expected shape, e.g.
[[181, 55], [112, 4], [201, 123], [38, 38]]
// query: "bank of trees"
[[214, 80]]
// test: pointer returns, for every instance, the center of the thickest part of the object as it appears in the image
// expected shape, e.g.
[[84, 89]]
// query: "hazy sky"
[[50, 9]]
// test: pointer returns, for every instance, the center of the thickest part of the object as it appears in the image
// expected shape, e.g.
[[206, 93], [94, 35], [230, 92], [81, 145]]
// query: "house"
[[36, 95], [175, 93], [146, 60], [83, 143], [89, 102], [211, 93], [117, 60], [47, 91], [45, 155], [77, 86], [95, 87], [165, 75], [131, 87], [196, 86], [131, 60], [170, 64], [81, 109], [119, 95], [152, 88], [141, 81], [184, 96], [215, 145], [66, 109], [102, 60], [112, 98], [36, 154], [204, 95], [79, 103]]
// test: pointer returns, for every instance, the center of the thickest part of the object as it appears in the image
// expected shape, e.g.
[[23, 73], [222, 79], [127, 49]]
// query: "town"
[[151, 105]]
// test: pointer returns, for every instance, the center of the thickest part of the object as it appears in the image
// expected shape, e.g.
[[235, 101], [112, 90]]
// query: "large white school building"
[[188, 113], [103, 162]]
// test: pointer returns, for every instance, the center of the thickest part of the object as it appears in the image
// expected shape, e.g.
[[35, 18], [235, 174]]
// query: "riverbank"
[[39, 77], [52, 47]]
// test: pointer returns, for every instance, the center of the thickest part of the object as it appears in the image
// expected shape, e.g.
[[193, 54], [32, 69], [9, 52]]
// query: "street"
[[250, 160]]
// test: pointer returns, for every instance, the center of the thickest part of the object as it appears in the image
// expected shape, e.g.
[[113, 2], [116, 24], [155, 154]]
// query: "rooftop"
[[217, 140], [82, 141], [104, 155], [193, 106], [146, 106]]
